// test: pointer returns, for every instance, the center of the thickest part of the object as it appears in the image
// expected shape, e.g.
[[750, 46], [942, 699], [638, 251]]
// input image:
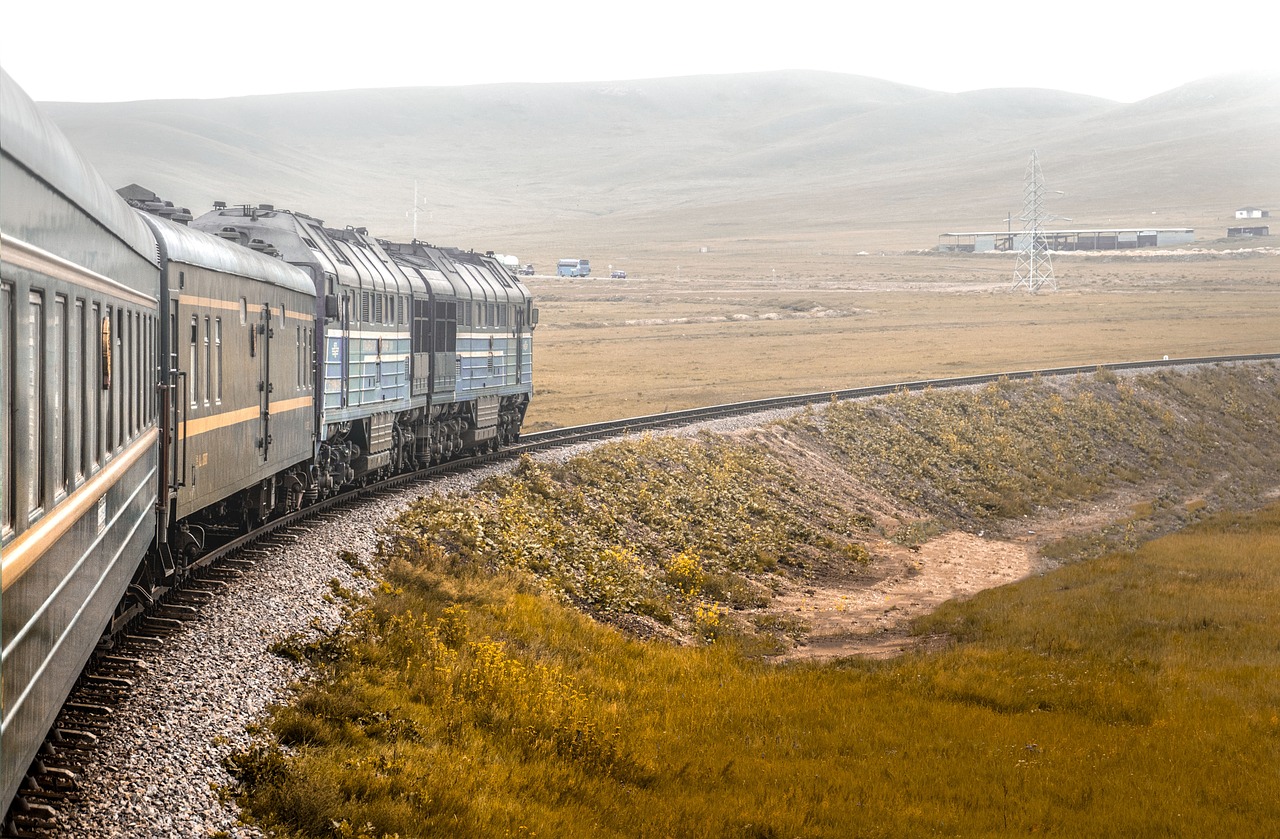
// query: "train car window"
[[144, 375], [282, 316], [208, 361], [108, 380], [120, 383], [134, 394], [244, 311], [124, 371], [297, 360], [114, 373], [149, 362], [135, 375], [217, 357], [194, 367], [131, 370], [120, 378], [140, 372], [77, 405], [57, 390], [433, 328], [35, 399], [7, 354], [99, 378], [420, 327]]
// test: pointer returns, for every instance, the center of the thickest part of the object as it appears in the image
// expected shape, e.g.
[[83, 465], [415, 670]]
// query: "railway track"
[[120, 664], [575, 434]]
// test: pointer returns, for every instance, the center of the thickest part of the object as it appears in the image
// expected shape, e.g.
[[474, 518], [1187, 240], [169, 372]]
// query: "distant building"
[[1252, 212], [1237, 232], [1067, 240]]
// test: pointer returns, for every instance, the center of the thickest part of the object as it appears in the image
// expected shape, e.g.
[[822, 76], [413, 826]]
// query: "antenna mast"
[[415, 210], [1035, 266]]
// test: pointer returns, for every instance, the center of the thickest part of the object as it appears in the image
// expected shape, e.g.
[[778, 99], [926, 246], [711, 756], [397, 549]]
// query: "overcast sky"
[[142, 49]]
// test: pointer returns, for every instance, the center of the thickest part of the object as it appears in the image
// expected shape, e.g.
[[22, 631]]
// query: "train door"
[[344, 345], [264, 334], [519, 310], [175, 408]]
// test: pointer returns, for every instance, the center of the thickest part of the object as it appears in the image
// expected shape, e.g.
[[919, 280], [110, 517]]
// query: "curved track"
[[565, 436], [594, 431]]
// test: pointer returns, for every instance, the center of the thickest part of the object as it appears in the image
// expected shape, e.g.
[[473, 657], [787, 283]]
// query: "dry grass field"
[[732, 325]]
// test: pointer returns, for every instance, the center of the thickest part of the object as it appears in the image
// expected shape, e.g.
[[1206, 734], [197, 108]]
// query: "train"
[[165, 377]]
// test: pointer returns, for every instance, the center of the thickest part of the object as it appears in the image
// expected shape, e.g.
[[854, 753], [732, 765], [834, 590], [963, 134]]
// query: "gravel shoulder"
[[157, 771]]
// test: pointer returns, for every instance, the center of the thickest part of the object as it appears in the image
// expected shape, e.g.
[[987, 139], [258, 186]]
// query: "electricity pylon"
[[1035, 266]]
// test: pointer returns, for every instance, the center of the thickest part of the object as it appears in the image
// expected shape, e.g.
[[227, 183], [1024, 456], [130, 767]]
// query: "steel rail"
[[565, 436]]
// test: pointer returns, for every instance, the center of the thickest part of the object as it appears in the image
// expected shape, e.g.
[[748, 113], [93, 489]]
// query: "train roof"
[[193, 247], [39, 146], [464, 274], [366, 256], [414, 258]]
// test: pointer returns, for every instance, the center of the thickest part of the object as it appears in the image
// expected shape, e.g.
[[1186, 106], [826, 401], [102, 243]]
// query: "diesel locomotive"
[[162, 376]]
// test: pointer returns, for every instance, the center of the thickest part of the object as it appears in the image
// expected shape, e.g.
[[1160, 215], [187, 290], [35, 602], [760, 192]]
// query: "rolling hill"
[[791, 157]]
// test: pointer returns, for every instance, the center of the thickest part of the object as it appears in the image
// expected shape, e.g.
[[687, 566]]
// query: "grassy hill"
[[805, 157]]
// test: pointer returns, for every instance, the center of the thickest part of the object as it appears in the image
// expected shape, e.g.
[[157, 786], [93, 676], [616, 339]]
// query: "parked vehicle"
[[618, 275], [574, 268]]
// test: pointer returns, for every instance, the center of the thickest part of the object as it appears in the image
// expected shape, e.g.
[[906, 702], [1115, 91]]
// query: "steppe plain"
[[725, 327], [776, 228]]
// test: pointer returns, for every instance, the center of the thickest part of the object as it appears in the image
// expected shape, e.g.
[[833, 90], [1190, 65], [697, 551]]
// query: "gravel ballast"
[[157, 770]]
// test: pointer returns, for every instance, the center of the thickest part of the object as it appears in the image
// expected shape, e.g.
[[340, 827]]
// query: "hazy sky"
[[102, 52]]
